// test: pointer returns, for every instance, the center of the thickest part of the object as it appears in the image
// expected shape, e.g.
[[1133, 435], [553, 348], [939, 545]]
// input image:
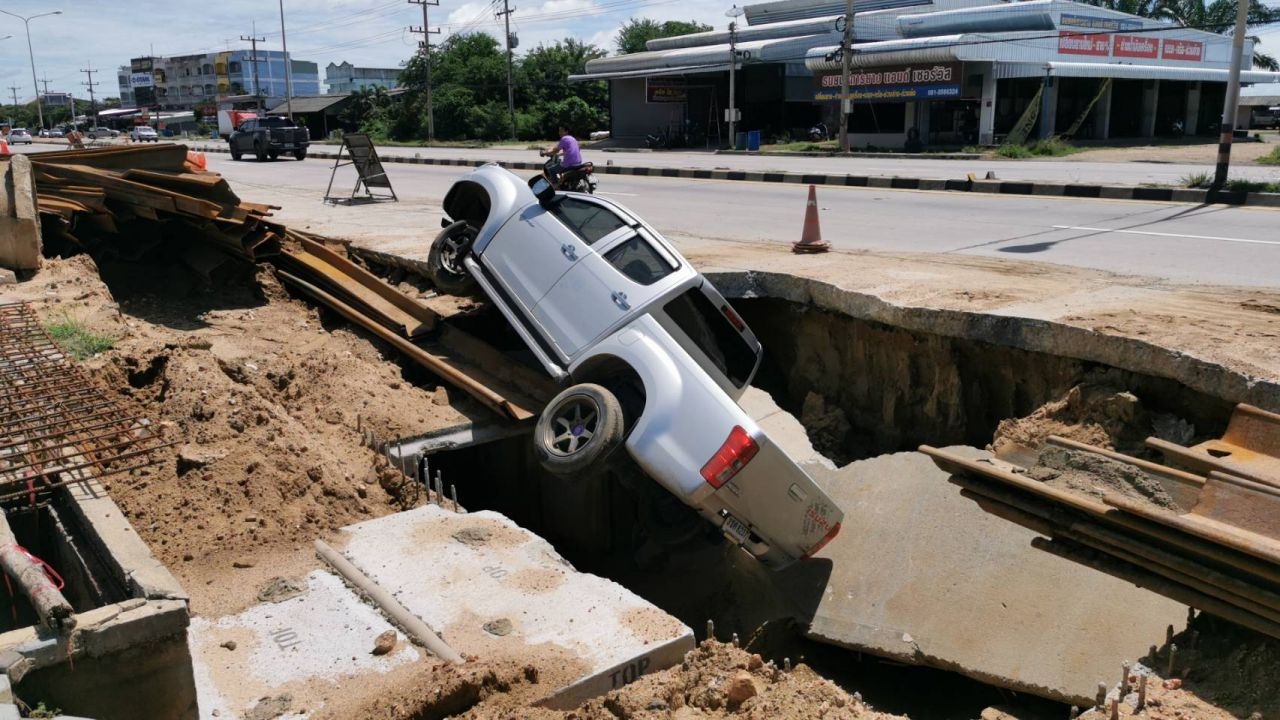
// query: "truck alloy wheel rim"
[[451, 254], [573, 426]]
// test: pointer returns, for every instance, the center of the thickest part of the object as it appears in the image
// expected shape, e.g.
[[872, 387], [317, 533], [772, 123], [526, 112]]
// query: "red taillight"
[[835, 529], [733, 318], [732, 456]]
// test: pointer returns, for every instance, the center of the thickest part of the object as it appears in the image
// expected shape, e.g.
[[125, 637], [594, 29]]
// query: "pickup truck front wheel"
[[259, 153], [444, 261], [578, 430], [300, 154], [235, 154]]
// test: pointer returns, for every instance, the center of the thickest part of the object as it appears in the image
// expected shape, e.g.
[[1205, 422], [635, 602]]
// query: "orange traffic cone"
[[811, 237], [4, 147]]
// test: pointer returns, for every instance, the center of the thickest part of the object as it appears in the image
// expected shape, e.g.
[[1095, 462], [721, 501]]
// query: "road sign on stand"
[[359, 153]]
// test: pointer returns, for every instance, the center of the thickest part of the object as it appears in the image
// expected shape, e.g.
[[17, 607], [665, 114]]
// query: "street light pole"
[[288, 73], [26, 21]]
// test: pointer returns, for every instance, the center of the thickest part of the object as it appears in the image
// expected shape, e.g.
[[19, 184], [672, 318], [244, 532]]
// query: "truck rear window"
[[712, 332]]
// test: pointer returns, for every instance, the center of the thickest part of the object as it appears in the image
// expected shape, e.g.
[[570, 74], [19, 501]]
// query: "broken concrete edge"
[[1034, 335], [859, 637], [118, 544], [418, 267], [663, 656], [1000, 187], [20, 247], [100, 632]]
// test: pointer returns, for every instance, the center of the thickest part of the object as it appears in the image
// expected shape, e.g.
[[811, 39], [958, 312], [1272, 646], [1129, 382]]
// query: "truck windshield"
[[712, 333]]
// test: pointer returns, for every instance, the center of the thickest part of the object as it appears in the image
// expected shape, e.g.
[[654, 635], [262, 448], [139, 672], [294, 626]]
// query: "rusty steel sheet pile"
[[94, 199], [1213, 544], [56, 425]]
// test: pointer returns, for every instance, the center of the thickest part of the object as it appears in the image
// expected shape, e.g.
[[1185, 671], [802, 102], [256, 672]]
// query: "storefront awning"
[[656, 72], [1127, 72]]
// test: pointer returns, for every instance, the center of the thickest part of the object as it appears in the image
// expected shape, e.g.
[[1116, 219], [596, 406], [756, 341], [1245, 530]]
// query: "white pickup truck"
[[652, 357]]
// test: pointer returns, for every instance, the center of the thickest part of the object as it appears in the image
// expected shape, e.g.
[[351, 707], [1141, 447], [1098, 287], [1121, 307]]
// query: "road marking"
[[616, 194], [1174, 235]]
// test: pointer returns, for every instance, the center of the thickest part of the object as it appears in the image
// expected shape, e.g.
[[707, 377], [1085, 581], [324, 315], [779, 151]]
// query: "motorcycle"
[[579, 178], [818, 132]]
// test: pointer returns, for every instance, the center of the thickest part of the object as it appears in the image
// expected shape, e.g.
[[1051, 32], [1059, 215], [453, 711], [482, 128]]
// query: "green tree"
[[552, 99], [632, 37]]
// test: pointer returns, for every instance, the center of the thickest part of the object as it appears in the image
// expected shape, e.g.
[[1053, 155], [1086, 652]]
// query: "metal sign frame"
[[359, 153]]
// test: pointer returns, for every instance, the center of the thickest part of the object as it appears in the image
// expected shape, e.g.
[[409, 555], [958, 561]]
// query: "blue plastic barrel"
[[753, 139]]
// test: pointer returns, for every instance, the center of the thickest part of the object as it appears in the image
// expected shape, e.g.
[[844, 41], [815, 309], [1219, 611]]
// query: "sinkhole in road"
[[861, 389]]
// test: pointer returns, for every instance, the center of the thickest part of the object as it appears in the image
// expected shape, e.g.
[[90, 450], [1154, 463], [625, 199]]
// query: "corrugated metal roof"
[[1127, 72], [764, 13], [310, 104], [762, 32], [622, 75], [757, 51]]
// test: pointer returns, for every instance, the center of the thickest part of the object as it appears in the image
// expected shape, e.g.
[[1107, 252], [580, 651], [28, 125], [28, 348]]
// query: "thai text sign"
[[1072, 43], [1190, 50], [665, 90], [1094, 22], [897, 83], [1135, 46]]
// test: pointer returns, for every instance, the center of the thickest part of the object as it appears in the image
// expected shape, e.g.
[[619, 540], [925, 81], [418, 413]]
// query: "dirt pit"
[[270, 402]]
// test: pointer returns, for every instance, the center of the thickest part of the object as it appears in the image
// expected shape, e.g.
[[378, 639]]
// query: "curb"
[[998, 187]]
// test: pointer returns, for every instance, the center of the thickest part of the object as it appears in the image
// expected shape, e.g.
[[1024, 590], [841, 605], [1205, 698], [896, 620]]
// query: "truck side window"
[[639, 261], [590, 221]]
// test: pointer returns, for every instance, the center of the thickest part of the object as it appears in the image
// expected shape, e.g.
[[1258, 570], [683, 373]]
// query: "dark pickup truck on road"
[[269, 137]]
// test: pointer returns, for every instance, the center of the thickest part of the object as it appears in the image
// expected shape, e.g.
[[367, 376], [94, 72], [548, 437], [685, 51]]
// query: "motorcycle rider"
[[569, 157]]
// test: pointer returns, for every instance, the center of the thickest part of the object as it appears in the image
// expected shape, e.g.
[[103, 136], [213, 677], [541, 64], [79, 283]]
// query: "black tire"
[[578, 430], [444, 261], [258, 153], [235, 154], [273, 155], [300, 154]]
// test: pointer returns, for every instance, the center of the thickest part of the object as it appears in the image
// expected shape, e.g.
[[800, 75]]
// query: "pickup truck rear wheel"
[[300, 154], [578, 430], [235, 154], [444, 261]]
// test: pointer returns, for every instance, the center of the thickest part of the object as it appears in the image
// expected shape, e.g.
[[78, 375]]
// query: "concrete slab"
[[923, 575], [493, 589], [301, 647]]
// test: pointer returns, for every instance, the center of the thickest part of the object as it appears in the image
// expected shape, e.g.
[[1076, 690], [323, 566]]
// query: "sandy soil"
[[1202, 151]]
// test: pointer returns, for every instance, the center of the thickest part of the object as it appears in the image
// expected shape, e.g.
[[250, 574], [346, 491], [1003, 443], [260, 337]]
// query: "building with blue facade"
[[186, 82]]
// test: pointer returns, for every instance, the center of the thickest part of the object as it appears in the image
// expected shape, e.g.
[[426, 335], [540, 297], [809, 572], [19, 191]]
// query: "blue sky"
[[103, 34]]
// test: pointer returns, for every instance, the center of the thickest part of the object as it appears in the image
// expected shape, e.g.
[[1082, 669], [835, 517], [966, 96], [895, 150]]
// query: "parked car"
[[143, 133], [19, 135], [101, 132], [55, 133], [1262, 117], [268, 137], [652, 357]]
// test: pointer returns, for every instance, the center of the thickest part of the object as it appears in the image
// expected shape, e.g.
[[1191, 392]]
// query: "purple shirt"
[[572, 155]]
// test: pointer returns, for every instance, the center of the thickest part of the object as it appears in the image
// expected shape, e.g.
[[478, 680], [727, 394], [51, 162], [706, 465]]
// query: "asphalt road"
[[1054, 171], [1216, 244]]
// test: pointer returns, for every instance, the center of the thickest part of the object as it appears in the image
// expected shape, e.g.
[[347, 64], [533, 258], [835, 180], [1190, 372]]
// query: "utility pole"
[[1231, 105], [13, 120], [257, 88], [45, 81], [93, 104], [846, 60], [288, 73], [731, 113], [511, 97], [425, 46]]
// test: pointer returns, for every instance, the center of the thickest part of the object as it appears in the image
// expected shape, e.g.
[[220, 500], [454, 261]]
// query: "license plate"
[[735, 529]]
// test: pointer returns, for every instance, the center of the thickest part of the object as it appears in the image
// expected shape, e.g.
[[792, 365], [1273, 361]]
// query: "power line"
[[511, 97], [257, 86], [91, 84]]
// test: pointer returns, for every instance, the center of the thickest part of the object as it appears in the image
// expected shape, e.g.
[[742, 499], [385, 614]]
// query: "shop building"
[[950, 72]]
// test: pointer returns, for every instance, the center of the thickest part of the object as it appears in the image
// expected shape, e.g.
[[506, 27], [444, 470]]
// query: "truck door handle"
[[569, 251], [620, 299]]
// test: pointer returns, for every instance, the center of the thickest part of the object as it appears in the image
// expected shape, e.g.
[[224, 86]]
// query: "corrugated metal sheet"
[[764, 32], [1127, 72], [757, 51], [688, 70], [773, 12], [1032, 15]]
